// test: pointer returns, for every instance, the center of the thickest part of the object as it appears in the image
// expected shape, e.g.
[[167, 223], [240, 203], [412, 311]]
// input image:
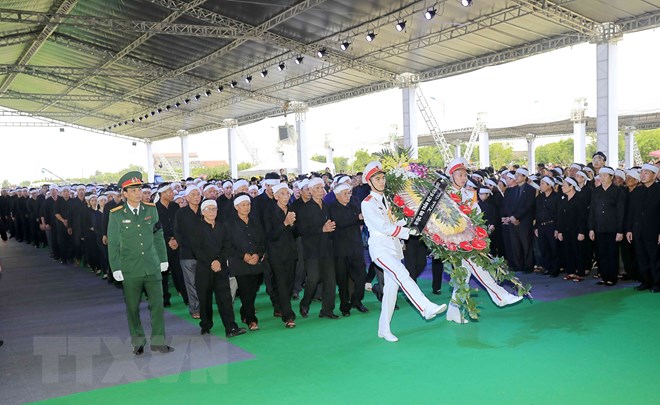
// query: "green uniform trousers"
[[132, 293]]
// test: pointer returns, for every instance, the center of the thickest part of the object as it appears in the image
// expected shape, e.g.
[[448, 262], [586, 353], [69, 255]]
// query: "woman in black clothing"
[[90, 248], [282, 250], [247, 247], [571, 229], [212, 273]]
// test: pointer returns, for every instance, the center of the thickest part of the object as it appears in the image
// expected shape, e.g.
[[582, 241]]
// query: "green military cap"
[[130, 179]]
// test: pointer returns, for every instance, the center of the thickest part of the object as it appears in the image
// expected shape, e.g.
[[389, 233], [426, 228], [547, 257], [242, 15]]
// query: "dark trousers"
[[629, 259], [608, 256], [209, 283], [572, 254], [271, 285], [3, 228], [521, 247], [247, 290], [350, 268], [64, 242], [588, 253], [320, 270], [415, 256], [497, 242], [299, 279], [437, 269], [506, 239], [646, 250], [177, 274], [548, 249], [283, 276]]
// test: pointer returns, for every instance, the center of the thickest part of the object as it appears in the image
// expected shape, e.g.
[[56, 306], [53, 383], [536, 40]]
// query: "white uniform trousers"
[[396, 275], [499, 295]]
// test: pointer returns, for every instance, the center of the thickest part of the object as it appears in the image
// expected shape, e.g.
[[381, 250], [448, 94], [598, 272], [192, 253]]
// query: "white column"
[[484, 149], [232, 148], [301, 144], [329, 158], [409, 121], [629, 155], [531, 158], [185, 157], [150, 163], [607, 118], [579, 142], [457, 150]]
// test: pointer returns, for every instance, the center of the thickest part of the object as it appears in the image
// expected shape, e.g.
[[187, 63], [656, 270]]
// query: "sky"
[[536, 89]]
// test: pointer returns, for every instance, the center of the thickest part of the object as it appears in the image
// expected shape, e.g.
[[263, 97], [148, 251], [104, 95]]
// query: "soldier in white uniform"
[[385, 235], [457, 170]]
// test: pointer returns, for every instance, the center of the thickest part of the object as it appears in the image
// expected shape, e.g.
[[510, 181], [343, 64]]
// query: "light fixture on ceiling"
[[233, 84], [186, 101], [197, 97], [133, 120], [221, 89], [400, 25], [160, 110], [168, 107], [248, 78], [430, 13], [299, 59], [140, 118], [146, 116], [371, 36], [177, 104], [207, 92], [153, 113], [344, 45], [264, 73], [281, 66], [321, 52], [466, 3], [126, 122]]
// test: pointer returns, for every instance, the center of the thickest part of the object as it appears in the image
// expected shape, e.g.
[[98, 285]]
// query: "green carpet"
[[597, 349]]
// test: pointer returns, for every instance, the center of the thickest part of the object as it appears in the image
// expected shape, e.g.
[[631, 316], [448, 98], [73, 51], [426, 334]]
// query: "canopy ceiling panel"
[[99, 63]]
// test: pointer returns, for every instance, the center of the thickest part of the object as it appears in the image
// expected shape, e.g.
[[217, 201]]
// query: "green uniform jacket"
[[135, 243]]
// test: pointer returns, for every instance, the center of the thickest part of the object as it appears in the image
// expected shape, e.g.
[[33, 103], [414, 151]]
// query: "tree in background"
[[500, 154], [557, 153], [430, 156], [361, 158], [647, 142]]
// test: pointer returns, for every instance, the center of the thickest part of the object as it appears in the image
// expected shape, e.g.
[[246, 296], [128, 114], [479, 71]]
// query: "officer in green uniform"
[[136, 250]]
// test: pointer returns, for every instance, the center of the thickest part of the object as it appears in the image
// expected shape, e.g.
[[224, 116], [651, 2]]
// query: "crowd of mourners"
[[228, 237]]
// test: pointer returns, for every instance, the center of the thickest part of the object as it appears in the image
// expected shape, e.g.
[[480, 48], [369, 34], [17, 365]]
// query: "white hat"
[[471, 184], [485, 190], [341, 187], [271, 182], [240, 183], [303, 183], [558, 170], [370, 169], [317, 180], [281, 186], [457, 163], [620, 173], [588, 169], [208, 203], [240, 199], [490, 182], [478, 176], [343, 179], [535, 185], [511, 175], [634, 173], [606, 170], [190, 189], [648, 166], [573, 183], [583, 174], [227, 184], [523, 171], [548, 180], [164, 188], [252, 187], [576, 166]]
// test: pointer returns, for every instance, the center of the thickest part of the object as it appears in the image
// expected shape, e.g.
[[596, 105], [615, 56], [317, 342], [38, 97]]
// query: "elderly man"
[[136, 250], [185, 224]]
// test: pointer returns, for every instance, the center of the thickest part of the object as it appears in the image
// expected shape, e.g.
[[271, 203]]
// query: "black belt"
[[547, 222]]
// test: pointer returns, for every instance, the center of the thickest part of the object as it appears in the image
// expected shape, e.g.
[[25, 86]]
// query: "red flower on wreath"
[[465, 245], [437, 239], [408, 212], [451, 247], [398, 201], [480, 232], [479, 244], [455, 197], [465, 209]]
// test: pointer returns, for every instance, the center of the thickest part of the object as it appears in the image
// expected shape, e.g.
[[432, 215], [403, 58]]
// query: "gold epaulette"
[[117, 208], [149, 204]]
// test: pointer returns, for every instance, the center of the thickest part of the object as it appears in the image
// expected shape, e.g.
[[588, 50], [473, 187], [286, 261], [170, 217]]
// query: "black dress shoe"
[[642, 287], [601, 282], [346, 313], [654, 289], [360, 307], [167, 304], [206, 331], [304, 312], [235, 332], [329, 316], [162, 348], [436, 292], [138, 350]]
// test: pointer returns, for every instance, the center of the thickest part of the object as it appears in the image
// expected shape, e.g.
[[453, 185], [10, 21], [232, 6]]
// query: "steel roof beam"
[[558, 14], [76, 71], [127, 49], [65, 7], [14, 95], [18, 37]]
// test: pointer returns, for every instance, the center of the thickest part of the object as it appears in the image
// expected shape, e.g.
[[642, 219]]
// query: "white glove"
[[118, 275], [414, 232], [164, 266]]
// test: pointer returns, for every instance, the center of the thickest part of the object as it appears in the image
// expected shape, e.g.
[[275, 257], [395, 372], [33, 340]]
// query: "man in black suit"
[[521, 218]]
